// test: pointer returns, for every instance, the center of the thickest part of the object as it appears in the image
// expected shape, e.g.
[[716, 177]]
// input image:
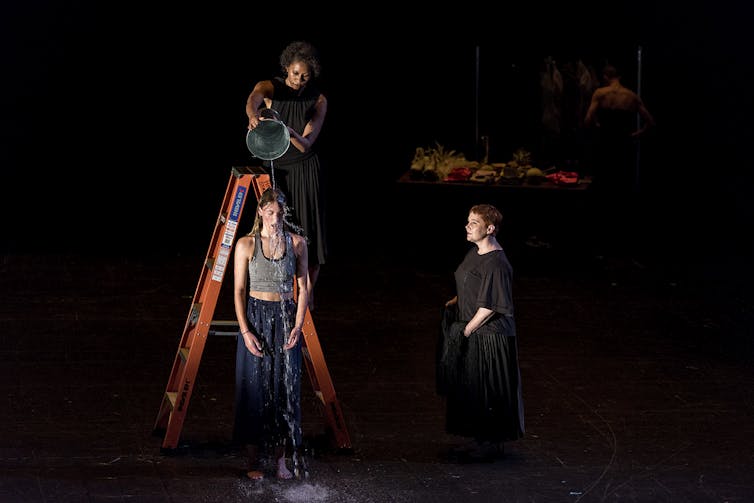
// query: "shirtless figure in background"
[[614, 96], [612, 115]]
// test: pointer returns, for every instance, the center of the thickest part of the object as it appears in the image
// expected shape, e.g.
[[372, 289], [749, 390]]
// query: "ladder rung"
[[223, 323]]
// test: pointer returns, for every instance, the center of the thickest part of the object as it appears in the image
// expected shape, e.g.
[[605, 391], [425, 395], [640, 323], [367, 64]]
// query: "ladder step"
[[225, 323], [320, 396], [228, 324], [172, 397], [196, 310]]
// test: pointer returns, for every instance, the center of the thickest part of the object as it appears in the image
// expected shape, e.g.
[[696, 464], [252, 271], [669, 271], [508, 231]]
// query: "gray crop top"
[[266, 275]]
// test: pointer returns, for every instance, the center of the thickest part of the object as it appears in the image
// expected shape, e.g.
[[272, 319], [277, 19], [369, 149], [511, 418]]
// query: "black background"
[[120, 122]]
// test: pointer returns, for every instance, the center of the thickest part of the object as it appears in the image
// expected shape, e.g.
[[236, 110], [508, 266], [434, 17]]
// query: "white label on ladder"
[[222, 260], [230, 232]]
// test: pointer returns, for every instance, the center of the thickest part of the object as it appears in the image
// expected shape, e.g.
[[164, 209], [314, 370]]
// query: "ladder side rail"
[[209, 260], [319, 375], [189, 329], [322, 382], [188, 356]]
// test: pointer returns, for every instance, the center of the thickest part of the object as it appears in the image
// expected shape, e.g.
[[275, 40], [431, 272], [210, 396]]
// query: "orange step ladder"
[[198, 325]]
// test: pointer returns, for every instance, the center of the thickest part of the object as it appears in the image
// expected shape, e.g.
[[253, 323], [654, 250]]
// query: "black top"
[[484, 281], [296, 109]]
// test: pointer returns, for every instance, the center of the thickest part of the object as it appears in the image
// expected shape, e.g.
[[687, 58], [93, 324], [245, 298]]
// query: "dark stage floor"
[[637, 382]]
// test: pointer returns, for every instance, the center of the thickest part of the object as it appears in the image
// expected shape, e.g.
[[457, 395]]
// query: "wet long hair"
[[269, 196]]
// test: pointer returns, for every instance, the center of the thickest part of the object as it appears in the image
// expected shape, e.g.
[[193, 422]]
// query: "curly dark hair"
[[301, 51]]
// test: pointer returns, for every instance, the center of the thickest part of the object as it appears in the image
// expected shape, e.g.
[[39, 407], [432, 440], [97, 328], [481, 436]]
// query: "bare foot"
[[283, 472], [255, 475], [252, 471]]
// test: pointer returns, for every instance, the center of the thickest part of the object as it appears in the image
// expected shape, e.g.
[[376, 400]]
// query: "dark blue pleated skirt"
[[268, 389]]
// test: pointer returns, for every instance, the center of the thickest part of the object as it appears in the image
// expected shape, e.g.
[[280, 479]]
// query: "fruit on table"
[[534, 175]]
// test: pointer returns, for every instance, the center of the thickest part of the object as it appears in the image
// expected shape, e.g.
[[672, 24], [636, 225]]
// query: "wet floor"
[[636, 371]]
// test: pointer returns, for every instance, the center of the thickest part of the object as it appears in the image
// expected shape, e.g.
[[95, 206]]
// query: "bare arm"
[[647, 120], [481, 317], [302, 299], [303, 142], [262, 92], [241, 258]]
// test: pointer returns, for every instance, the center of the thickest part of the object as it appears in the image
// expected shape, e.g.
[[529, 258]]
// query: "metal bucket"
[[270, 139]]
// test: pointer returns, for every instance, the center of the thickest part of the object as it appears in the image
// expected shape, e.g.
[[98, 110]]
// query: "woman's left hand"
[[292, 338]]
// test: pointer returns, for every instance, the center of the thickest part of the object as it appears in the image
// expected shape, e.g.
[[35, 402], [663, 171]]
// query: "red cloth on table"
[[564, 177]]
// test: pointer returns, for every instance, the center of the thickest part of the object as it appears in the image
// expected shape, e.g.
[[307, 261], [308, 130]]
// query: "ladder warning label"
[[230, 232], [218, 271], [220, 263]]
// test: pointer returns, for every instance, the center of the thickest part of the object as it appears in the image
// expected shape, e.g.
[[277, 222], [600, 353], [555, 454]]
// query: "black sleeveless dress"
[[300, 175]]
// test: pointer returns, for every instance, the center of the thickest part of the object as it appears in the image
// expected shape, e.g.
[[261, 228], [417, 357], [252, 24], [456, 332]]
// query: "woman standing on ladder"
[[298, 172]]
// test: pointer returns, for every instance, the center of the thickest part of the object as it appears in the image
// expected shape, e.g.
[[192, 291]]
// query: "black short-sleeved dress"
[[479, 374], [300, 175]]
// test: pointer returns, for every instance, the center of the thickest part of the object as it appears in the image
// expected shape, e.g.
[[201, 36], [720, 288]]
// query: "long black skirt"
[[480, 380]]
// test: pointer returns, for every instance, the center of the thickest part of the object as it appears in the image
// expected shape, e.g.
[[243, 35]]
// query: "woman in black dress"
[[477, 370], [298, 172]]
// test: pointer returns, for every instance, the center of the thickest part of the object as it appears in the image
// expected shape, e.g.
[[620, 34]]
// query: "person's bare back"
[[616, 96]]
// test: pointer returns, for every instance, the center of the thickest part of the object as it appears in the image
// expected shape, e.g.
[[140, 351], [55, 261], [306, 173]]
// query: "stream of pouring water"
[[277, 257]]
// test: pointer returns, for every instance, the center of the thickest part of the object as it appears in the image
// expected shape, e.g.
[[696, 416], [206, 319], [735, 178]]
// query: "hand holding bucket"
[[271, 138]]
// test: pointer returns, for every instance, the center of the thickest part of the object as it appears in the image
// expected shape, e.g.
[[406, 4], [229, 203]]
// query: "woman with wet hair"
[[270, 312]]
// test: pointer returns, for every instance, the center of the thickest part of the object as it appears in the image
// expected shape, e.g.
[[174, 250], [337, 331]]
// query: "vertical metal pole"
[[476, 106], [637, 173]]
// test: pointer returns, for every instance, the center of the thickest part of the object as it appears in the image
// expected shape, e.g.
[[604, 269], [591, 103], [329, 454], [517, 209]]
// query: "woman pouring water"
[[298, 172]]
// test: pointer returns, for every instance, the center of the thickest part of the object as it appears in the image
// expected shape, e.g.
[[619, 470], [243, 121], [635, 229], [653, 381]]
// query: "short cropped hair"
[[490, 215]]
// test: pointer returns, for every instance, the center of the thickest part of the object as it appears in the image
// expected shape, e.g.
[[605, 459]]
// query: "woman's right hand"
[[253, 344], [253, 121]]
